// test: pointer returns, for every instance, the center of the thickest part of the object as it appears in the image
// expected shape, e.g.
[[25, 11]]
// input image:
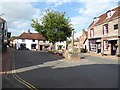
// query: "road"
[[44, 70]]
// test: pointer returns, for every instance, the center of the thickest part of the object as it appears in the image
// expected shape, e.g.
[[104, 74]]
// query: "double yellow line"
[[28, 85]]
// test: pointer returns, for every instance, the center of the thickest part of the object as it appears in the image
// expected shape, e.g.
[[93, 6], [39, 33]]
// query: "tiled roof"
[[35, 36], [2, 20], [103, 18]]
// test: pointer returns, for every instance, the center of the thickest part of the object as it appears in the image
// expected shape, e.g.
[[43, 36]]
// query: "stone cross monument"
[[73, 53]]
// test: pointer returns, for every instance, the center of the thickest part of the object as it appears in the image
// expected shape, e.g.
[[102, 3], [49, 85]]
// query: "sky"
[[19, 13]]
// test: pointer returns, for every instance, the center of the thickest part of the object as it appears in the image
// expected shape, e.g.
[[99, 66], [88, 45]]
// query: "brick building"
[[103, 33], [83, 40]]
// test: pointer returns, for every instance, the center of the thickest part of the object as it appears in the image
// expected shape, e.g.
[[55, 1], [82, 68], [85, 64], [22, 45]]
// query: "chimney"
[[29, 31]]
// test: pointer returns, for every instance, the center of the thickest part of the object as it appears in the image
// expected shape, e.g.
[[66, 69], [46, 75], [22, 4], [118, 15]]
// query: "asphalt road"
[[44, 70]]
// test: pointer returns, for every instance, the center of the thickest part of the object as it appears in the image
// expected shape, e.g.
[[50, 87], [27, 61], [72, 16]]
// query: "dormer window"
[[110, 13], [95, 19]]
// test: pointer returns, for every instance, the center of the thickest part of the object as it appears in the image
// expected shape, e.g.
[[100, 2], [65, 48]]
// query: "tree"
[[54, 26]]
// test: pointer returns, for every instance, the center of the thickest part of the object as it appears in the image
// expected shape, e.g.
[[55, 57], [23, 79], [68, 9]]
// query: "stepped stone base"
[[71, 56]]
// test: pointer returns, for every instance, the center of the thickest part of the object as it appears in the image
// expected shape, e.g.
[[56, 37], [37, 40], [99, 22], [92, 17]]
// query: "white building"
[[31, 41], [60, 45]]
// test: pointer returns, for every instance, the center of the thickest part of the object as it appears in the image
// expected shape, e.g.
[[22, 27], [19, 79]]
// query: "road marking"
[[28, 85]]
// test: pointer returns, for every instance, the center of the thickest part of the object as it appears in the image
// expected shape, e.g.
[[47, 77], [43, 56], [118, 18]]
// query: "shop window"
[[92, 46], [115, 26], [105, 29]]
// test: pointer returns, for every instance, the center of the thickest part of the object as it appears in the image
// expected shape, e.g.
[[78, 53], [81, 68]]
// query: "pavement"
[[6, 59], [6, 66], [105, 56]]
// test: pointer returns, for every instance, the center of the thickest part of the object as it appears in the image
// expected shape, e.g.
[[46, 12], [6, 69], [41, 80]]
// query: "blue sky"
[[19, 14]]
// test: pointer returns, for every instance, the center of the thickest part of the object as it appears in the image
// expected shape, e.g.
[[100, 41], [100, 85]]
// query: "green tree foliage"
[[54, 26]]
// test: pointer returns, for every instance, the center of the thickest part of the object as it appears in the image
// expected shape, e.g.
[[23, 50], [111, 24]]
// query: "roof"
[[2, 20], [35, 36], [103, 17]]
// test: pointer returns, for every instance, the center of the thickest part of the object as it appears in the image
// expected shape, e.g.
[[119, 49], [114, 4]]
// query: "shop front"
[[95, 45], [113, 47], [110, 45], [92, 45]]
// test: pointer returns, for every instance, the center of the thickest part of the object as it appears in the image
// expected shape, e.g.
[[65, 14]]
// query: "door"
[[41, 47], [113, 48], [99, 48]]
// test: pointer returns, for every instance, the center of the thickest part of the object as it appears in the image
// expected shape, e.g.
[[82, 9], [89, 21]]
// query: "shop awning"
[[110, 39], [98, 40]]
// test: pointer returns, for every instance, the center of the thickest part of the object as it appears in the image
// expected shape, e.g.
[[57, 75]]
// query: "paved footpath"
[[6, 59], [105, 56], [6, 66]]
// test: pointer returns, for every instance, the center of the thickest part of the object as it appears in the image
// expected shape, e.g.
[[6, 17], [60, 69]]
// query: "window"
[[33, 46], [108, 13], [115, 26], [105, 29], [23, 40], [91, 32], [33, 40], [60, 47], [92, 45], [43, 41], [105, 43]]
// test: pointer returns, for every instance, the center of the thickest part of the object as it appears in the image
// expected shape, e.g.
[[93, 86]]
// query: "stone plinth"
[[72, 54]]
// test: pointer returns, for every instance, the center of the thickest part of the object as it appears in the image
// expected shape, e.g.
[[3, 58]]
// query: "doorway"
[[98, 47], [113, 47], [33, 46], [41, 46]]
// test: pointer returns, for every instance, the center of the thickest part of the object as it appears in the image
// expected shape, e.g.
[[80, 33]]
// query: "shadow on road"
[[74, 76], [82, 76], [25, 58]]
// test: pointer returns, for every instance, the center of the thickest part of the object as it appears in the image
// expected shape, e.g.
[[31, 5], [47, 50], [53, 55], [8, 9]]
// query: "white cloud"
[[81, 10], [18, 15], [18, 10], [19, 0], [58, 2]]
